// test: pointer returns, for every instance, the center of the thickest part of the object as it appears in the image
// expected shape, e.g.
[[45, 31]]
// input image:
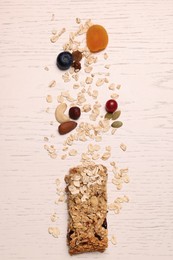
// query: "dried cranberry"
[[104, 223]]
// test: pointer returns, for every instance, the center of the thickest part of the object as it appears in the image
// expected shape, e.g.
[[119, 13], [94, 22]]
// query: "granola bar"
[[87, 207]]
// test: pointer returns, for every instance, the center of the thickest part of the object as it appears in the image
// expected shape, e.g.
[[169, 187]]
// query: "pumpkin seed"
[[116, 124], [116, 115], [108, 115]]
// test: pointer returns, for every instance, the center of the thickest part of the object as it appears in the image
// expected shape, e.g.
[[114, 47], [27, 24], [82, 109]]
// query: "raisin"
[[76, 65], [98, 236], [69, 234], [105, 223], [77, 56]]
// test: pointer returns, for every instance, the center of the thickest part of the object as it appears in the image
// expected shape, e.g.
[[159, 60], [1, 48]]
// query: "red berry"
[[111, 106]]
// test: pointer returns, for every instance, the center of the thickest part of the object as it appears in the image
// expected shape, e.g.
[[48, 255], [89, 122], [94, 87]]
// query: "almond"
[[66, 127]]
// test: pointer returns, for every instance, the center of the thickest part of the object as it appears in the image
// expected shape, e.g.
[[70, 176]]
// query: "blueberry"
[[64, 60]]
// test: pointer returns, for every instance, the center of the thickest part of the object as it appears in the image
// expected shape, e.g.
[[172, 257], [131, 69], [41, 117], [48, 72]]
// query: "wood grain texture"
[[141, 57]]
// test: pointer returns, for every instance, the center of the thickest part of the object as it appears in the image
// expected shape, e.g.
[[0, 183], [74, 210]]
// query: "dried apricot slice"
[[97, 38]]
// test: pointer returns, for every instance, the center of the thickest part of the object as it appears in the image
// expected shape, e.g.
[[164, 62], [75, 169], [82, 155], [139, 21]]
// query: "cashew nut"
[[59, 113]]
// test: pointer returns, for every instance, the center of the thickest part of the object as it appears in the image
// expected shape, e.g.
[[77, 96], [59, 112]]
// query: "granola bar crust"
[[87, 207]]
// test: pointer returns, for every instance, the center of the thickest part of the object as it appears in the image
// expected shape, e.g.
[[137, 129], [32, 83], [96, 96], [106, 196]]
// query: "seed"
[[116, 124], [116, 115], [108, 115]]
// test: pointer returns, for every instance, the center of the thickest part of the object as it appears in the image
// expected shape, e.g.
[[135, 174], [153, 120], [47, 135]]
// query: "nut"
[[59, 113], [66, 127]]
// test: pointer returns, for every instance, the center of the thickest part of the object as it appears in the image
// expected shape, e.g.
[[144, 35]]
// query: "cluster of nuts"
[[66, 125]]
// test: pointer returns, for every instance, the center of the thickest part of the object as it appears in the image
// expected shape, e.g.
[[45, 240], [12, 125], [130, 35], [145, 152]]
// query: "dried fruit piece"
[[97, 38], [104, 223], [111, 106], [116, 115], [116, 124], [77, 55], [66, 127], [76, 65], [74, 113]]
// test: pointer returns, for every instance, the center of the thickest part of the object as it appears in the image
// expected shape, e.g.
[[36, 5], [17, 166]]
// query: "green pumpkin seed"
[[108, 115], [116, 115], [116, 124]]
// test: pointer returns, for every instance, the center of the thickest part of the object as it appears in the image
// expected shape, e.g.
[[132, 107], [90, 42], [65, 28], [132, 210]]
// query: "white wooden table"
[[141, 57]]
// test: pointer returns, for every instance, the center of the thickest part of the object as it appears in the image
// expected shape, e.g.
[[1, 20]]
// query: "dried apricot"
[[97, 38]]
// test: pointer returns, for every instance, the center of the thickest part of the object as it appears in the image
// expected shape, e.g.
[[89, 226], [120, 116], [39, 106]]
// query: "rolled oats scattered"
[[66, 77], [114, 95], [76, 86], [60, 99], [100, 82], [54, 217], [107, 66], [95, 94], [113, 131], [88, 80], [106, 156], [49, 99], [123, 147], [65, 148], [112, 86], [124, 170], [52, 84], [58, 182], [54, 31], [118, 86], [46, 68], [98, 138], [53, 155], [113, 240], [55, 37], [64, 156], [46, 139], [75, 76], [126, 199], [105, 56], [106, 80], [95, 156], [86, 108], [88, 69], [54, 231], [108, 148], [73, 152], [78, 20], [61, 198]]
